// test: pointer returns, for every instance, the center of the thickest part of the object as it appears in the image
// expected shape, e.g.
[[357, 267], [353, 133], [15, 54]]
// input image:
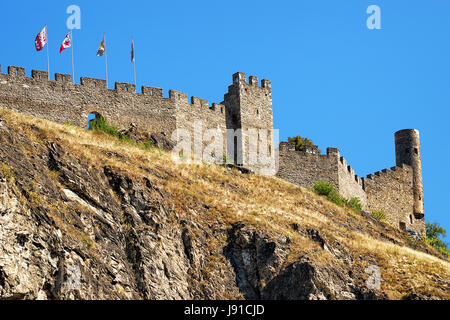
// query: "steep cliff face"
[[83, 216]]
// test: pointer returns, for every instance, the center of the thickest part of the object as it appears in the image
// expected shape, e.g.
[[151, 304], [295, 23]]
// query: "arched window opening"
[[93, 116]]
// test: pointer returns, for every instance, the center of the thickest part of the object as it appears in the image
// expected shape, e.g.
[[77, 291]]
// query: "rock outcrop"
[[73, 225]]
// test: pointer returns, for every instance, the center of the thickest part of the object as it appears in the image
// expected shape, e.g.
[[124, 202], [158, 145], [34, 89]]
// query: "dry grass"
[[266, 202]]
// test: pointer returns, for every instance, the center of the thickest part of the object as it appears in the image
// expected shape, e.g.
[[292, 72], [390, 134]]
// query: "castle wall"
[[198, 114], [391, 191], [306, 168], [350, 185], [247, 107], [62, 101]]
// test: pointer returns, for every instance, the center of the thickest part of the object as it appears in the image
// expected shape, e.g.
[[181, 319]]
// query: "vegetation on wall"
[[301, 143], [324, 188], [100, 124]]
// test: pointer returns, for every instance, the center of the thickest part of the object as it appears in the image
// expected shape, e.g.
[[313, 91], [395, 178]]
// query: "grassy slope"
[[265, 202]]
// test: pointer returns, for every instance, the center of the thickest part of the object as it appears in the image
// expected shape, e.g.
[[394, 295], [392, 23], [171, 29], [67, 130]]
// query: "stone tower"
[[407, 150], [249, 118]]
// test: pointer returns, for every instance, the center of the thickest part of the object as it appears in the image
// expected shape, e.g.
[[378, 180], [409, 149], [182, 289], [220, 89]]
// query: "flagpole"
[[106, 62], [73, 66], [134, 64], [48, 60], [134, 72]]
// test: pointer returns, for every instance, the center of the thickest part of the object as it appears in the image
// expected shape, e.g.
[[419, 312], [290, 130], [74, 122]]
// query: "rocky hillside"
[[85, 216]]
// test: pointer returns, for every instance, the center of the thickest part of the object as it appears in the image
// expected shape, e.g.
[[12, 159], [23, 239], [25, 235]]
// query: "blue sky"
[[334, 80]]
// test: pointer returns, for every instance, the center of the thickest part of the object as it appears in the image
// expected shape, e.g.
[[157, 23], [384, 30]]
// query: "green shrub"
[[148, 144], [355, 203], [326, 189], [379, 215], [336, 198], [100, 124], [300, 142], [434, 232], [323, 188]]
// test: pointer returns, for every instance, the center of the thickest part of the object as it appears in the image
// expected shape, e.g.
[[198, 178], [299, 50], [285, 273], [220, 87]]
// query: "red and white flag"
[[132, 51], [67, 43], [41, 39]]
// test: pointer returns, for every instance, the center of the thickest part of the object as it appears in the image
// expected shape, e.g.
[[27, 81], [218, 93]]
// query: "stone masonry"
[[398, 191], [246, 106], [243, 122], [305, 168]]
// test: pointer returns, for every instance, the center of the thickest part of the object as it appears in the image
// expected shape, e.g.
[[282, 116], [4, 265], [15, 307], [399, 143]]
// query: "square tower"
[[249, 119]]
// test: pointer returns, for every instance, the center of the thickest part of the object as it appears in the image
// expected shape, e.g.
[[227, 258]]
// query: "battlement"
[[61, 100], [334, 152], [346, 169], [125, 87], [93, 83], [388, 173], [290, 146], [392, 191], [97, 85], [64, 78], [306, 167], [152, 92], [16, 71], [39, 75], [240, 78]]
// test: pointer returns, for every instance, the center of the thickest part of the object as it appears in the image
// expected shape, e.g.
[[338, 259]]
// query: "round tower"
[[407, 150]]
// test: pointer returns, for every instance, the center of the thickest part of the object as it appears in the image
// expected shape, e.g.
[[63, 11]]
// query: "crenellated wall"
[[209, 120], [60, 101], [392, 191], [350, 184], [246, 110], [305, 168]]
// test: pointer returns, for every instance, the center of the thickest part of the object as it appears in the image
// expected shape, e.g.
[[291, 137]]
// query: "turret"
[[407, 150], [249, 114]]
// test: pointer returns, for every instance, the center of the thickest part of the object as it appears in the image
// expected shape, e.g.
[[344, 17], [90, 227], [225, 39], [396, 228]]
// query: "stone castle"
[[246, 108]]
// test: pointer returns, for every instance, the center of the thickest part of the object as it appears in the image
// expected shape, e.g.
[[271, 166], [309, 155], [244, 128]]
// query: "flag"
[[41, 39], [132, 51], [67, 43], [101, 50]]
